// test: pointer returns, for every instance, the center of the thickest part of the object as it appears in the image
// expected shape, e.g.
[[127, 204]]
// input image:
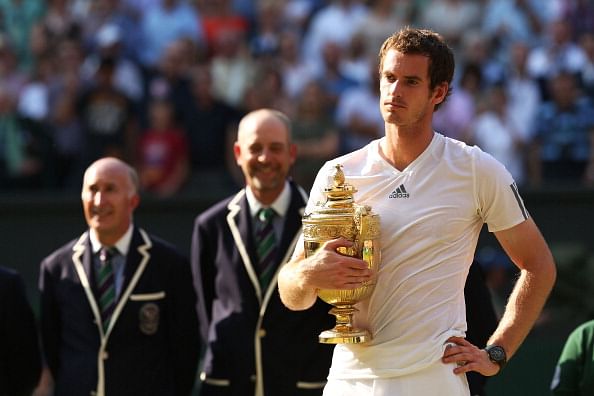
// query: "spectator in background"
[[219, 16], [39, 43], [580, 15], [574, 373], [355, 61], [297, 14], [452, 18], [69, 56], [170, 79], [107, 116], [232, 67], [267, 90], [357, 115], [508, 21], [117, 303], [127, 76], [210, 124], [164, 22], [455, 116], [65, 128], [12, 77], [558, 53], [164, 163], [65, 125], [59, 22], [104, 13], [20, 360], [498, 133], [33, 112], [314, 133], [265, 38], [335, 23], [561, 150], [17, 18], [295, 72], [522, 91], [21, 166], [255, 345], [114, 14], [477, 49], [331, 76], [33, 101], [247, 8], [384, 17]]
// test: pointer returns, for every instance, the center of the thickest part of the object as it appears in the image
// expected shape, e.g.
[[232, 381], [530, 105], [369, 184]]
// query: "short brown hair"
[[428, 43]]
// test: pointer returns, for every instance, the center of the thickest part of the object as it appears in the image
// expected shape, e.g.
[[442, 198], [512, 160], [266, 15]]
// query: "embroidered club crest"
[[149, 318]]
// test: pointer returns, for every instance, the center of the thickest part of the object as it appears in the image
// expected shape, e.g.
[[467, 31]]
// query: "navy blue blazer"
[[151, 346], [255, 345], [20, 359]]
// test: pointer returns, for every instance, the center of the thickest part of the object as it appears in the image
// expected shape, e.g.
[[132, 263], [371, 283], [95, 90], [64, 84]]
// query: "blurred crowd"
[[163, 83]]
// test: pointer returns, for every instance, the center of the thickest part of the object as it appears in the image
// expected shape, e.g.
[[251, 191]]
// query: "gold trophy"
[[338, 217]]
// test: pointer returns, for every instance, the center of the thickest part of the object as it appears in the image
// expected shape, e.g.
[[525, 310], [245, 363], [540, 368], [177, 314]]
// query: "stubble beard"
[[266, 185]]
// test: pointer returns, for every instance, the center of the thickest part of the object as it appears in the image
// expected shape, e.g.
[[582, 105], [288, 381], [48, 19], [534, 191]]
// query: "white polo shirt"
[[431, 214]]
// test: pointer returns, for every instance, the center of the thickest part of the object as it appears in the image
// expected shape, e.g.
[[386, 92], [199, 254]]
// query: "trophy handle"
[[359, 218]]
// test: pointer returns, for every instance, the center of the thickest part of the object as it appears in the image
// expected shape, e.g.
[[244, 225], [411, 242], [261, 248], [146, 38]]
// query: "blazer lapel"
[[133, 258], [82, 258], [138, 257], [293, 218], [240, 226]]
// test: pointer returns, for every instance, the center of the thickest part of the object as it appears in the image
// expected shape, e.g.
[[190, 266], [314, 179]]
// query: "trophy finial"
[[338, 177]]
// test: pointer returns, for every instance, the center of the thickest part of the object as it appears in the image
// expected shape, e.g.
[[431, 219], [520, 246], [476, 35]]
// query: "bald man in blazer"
[[255, 345], [150, 344]]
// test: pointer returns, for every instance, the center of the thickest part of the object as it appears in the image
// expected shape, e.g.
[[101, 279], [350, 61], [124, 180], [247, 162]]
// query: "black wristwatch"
[[497, 355]]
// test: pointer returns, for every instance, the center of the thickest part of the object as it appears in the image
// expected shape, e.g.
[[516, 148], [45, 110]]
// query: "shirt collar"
[[280, 205], [123, 244]]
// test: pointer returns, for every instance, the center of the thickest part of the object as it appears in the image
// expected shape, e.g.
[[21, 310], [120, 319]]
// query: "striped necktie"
[[106, 285], [266, 245]]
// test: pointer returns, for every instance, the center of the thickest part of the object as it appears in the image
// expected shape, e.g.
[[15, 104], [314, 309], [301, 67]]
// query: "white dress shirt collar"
[[280, 205], [123, 244]]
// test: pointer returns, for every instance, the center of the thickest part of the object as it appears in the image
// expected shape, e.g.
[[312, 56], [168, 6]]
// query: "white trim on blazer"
[[79, 249]]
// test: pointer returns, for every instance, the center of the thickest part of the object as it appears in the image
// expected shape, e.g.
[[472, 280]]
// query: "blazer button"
[[261, 333], [104, 355]]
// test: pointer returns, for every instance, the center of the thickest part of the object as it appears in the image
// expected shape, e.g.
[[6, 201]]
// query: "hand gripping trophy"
[[338, 217]]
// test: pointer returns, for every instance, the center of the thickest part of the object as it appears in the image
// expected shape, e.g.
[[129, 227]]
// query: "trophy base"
[[344, 337]]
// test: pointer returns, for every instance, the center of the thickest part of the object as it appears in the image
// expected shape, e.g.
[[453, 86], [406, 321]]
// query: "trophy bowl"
[[340, 216]]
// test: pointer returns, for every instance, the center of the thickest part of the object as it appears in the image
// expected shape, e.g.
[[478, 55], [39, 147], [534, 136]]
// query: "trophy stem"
[[344, 332]]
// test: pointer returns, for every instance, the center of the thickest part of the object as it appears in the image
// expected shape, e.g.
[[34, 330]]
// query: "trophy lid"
[[339, 215], [339, 193]]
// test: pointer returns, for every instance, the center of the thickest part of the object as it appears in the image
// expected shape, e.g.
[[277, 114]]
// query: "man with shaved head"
[[256, 346], [117, 313]]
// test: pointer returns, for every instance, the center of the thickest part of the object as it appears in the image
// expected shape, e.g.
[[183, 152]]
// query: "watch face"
[[497, 354]]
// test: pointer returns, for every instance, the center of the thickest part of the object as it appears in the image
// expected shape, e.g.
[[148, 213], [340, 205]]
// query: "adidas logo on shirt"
[[400, 192]]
